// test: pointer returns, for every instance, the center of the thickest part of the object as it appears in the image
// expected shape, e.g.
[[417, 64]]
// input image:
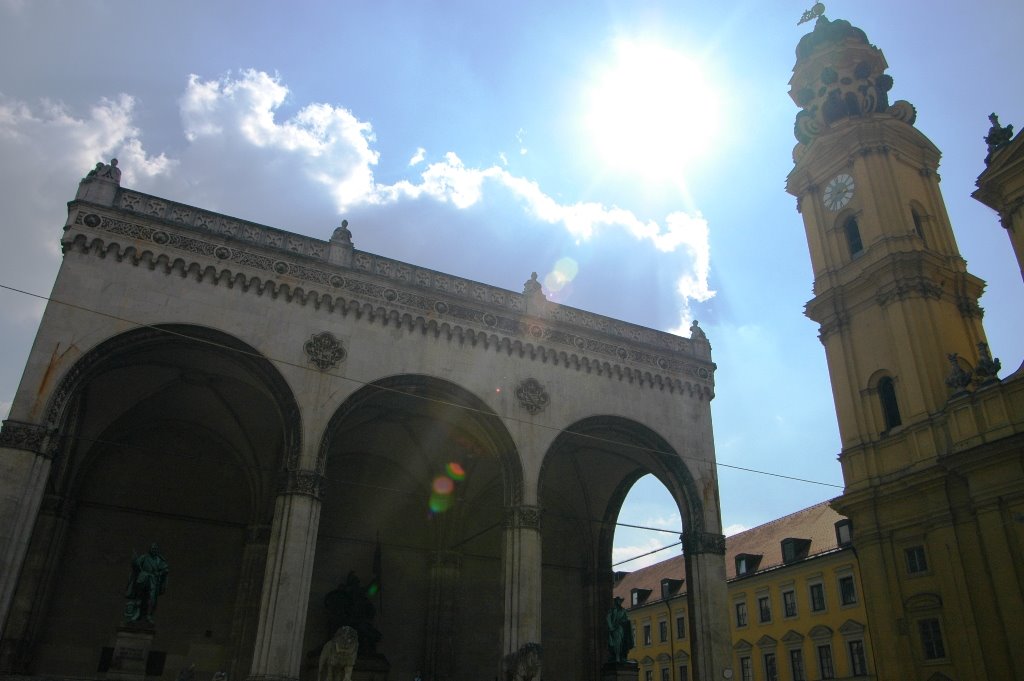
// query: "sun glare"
[[651, 112]]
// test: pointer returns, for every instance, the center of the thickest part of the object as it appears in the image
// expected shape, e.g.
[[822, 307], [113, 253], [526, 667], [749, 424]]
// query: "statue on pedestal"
[[147, 582], [620, 633]]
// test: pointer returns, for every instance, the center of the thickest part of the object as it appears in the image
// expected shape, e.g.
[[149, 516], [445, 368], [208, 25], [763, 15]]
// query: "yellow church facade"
[[932, 438]]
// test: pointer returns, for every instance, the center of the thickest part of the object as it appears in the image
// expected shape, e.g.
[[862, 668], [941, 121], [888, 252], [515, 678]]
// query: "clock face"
[[838, 192]]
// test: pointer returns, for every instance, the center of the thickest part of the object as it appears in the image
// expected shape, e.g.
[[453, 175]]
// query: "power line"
[[435, 400]]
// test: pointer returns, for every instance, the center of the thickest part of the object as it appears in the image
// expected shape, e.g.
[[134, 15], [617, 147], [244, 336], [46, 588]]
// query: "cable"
[[481, 412]]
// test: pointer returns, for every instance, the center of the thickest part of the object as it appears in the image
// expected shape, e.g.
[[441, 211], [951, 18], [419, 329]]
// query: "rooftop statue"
[[107, 171], [998, 136]]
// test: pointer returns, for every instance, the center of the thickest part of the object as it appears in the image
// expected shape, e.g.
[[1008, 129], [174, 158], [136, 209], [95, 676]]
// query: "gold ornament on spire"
[[812, 13]]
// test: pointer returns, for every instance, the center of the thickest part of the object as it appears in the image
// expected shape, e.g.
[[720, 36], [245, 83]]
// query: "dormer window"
[[669, 587], [638, 596], [746, 563], [844, 532], [794, 549]]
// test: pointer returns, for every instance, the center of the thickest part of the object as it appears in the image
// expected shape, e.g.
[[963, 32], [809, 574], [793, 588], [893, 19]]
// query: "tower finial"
[[813, 13]]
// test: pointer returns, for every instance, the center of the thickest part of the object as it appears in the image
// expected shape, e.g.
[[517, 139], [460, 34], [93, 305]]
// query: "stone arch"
[[140, 419], [584, 479], [420, 472]]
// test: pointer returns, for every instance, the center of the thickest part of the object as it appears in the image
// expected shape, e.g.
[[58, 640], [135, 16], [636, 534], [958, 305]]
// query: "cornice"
[[234, 253]]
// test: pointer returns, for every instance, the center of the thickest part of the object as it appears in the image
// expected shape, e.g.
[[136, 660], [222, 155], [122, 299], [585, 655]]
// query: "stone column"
[[24, 469], [711, 644], [247, 599], [522, 576], [286, 581], [445, 572]]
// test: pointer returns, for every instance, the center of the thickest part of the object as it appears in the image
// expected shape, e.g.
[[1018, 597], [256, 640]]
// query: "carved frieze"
[[324, 350], [21, 435], [532, 395]]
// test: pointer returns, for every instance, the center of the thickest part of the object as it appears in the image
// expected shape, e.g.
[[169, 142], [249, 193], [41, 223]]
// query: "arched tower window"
[[918, 225], [853, 236], [890, 408]]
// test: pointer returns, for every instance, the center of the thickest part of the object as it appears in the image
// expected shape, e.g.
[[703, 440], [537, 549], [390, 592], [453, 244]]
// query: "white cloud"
[[644, 551], [735, 528], [5, 409], [418, 157], [327, 143]]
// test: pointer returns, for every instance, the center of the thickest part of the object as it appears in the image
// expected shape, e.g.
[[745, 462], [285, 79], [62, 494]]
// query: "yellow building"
[[932, 439], [795, 601]]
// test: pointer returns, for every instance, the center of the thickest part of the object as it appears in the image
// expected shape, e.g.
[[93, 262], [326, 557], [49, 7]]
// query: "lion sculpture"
[[339, 656]]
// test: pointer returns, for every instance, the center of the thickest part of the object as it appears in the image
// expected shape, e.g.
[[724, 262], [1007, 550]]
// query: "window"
[[916, 561], [853, 237], [664, 674], [764, 609], [796, 665], [844, 532], [847, 590], [680, 627], [746, 670], [825, 665], [817, 597], [789, 603], [741, 614], [794, 549], [890, 408], [858, 661], [647, 634], [649, 675], [771, 670], [918, 226], [931, 639], [684, 673], [662, 631]]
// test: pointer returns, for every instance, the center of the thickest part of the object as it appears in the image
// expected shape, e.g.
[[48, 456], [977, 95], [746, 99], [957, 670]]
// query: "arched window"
[[918, 225], [853, 236], [890, 408]]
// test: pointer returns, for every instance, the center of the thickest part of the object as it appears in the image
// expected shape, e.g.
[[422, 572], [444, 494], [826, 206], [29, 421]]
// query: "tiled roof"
[[816, 523]]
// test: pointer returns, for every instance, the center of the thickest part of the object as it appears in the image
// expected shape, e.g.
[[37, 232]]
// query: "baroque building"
[[796, 608], [932, 439], [285, 415]]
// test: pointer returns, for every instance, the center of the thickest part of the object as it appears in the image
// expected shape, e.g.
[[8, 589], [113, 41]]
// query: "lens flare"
[[564, 272], [439, 503], [443, 485], [456, 471]]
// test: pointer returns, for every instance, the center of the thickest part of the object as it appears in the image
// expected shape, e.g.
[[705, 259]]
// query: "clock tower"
[[932, 440]]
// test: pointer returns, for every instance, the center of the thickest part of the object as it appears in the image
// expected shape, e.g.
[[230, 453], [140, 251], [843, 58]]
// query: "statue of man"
[[147, 582], [620, 633]]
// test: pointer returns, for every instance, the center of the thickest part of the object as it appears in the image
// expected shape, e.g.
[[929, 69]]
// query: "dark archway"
[[175, 434], [422, 470], [586, 476]]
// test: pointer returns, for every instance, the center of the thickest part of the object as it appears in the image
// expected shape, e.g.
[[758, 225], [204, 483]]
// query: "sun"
[[651, 112]]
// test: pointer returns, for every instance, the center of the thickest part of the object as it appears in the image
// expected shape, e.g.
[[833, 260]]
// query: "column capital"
[[704, 542], [21, 435], [300, 481], [522, 517]]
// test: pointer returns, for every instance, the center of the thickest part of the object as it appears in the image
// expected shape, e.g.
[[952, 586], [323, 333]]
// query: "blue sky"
[[633, 153]]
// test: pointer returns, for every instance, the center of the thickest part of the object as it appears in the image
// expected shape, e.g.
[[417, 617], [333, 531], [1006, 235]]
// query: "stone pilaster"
[[522, 576], [289, 572], [445, 572], [709, 609], [24, 469]]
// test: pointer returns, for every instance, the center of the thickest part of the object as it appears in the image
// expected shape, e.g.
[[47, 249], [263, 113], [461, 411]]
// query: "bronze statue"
[[620, 633], [147, 582], [998, 136], [349, 606]]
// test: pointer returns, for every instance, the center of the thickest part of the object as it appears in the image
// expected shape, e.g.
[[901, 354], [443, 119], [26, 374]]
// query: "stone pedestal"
[[620, 671], [131, 649]]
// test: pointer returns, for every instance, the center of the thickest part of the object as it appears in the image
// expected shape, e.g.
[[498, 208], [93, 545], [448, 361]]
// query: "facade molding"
[[30, 437]]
